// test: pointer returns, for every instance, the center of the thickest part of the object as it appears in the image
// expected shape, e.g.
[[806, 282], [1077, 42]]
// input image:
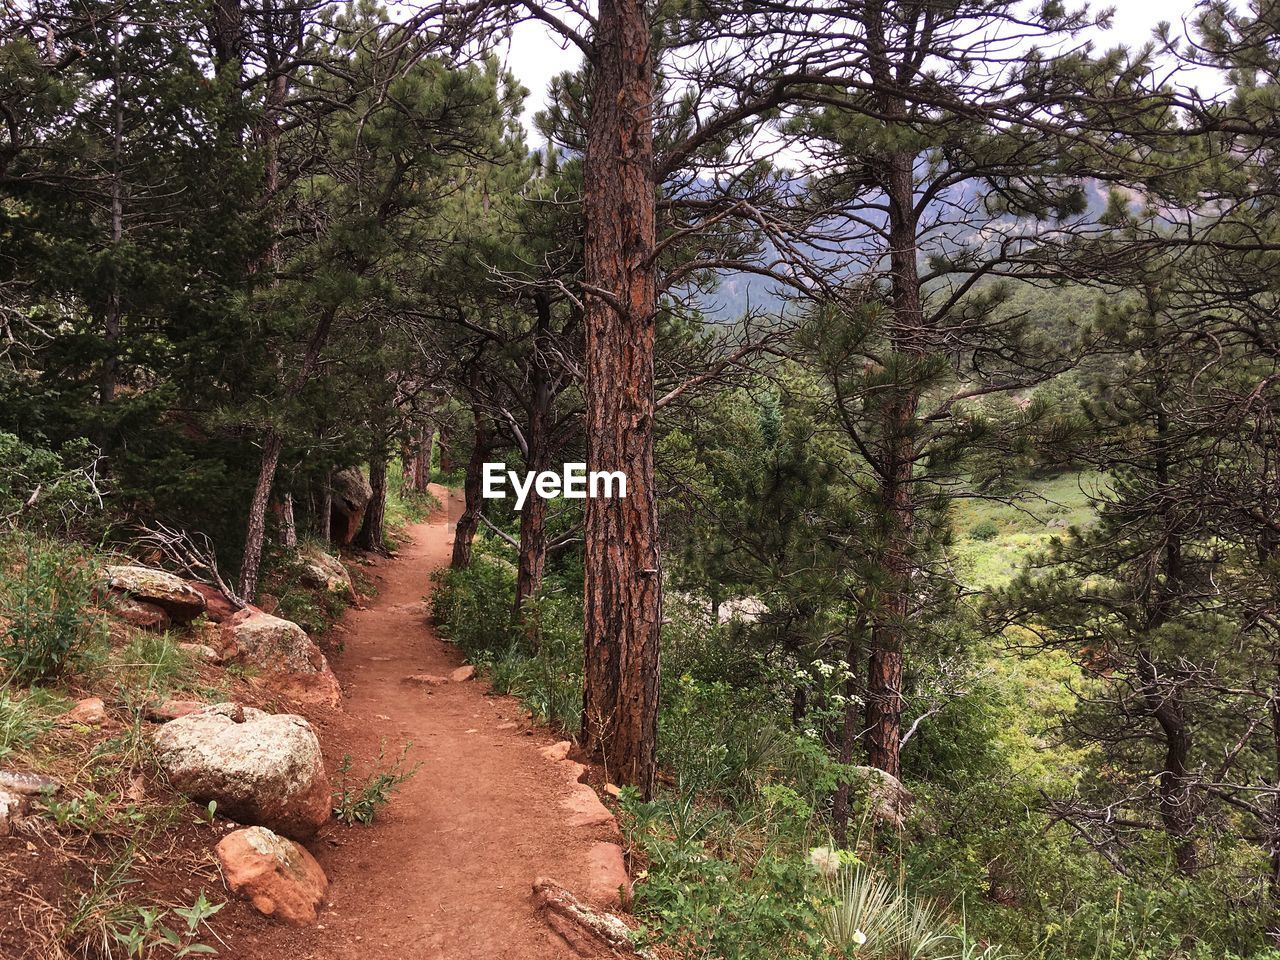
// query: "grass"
[[362, 802], [994, 537]]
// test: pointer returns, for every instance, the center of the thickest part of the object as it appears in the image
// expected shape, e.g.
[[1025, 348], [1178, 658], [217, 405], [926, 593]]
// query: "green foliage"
[[362, 802], [23, 720], [46, 593], [106, 923]]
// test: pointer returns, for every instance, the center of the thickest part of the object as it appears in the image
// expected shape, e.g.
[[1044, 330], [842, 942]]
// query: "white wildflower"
[[859, 938]]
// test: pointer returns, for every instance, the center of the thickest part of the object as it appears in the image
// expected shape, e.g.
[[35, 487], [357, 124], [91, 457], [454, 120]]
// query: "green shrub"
[[47, 599], [22, 721], [362, 802], [984, 530]]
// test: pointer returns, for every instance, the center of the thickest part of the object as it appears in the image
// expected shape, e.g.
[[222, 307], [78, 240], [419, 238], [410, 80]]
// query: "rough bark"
[[897, 455], [469, 522], [288, 526], [532, 558], [370, 535], [256, 527], [324, 519], [622, 590], [1164, 701]]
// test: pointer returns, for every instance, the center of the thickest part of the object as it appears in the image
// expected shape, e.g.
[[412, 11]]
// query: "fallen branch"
[[583, 922], [193, 555]]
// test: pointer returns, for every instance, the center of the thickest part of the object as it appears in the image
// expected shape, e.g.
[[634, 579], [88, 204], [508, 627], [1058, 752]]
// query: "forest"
[[937, 342]]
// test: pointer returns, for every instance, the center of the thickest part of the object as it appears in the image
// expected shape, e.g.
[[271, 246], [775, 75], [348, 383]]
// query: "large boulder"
[[287, 657], [279, 877], [172, 594], [351, 496], [887, 800], [260, 768], [218, 607], [323, 571], [140, 613]]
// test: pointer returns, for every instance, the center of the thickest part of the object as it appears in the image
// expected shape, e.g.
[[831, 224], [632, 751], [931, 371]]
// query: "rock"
[[279, 877], [12, 806], [140, 613], [171, 709], [742, 609], [613, 790], [888, 801], [351, 495], [557, 751], [608, 885], [217, 605], [201, 651], [584, 807], [28, 784], [173, 594], [427, 679], [268, 603], [326, 572], [463, 674], [285, 654], [91, 712], [261, 769]]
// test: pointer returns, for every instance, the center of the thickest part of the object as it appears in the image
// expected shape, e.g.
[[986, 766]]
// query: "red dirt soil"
[[445, 872]]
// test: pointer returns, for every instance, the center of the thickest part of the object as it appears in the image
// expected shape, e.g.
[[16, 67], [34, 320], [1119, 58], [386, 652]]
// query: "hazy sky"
[[535, 56]]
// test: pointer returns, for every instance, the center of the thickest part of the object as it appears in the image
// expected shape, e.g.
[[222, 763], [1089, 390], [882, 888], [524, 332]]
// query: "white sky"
[[534, 55]]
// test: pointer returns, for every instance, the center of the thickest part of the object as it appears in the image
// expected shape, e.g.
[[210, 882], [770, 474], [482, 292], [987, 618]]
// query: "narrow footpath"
[[446, 871]]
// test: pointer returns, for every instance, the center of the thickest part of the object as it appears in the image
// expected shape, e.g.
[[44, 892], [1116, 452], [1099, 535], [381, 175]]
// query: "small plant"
[[48, 602], [361, 803], [22, 722], [984, 530]]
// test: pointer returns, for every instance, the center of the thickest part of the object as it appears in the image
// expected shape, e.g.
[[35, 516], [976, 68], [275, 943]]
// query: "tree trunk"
[[370, 535], [288, 526], [325, 519], [111, 321], [623, 583], [257, 524], [897, 454], [1163, 698], [469, 522], [422, 467], [532, 558]]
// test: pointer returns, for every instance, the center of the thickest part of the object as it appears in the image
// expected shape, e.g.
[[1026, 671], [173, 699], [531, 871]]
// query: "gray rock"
[[172, 594], [351, 496], [28, 784], [260, 768]]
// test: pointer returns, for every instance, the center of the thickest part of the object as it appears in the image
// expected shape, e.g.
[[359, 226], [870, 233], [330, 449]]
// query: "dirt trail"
[[447, 872]]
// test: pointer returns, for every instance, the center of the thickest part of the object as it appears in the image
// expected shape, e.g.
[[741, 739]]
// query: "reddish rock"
[[289, 660], [462, 674], [217, 605], [557, 751], [140, 613], [91, 712], [584, 808], [608, 885], [182, 602], [613, 790], [279, 877], [427, 679], [171, 709], [201, 651]]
